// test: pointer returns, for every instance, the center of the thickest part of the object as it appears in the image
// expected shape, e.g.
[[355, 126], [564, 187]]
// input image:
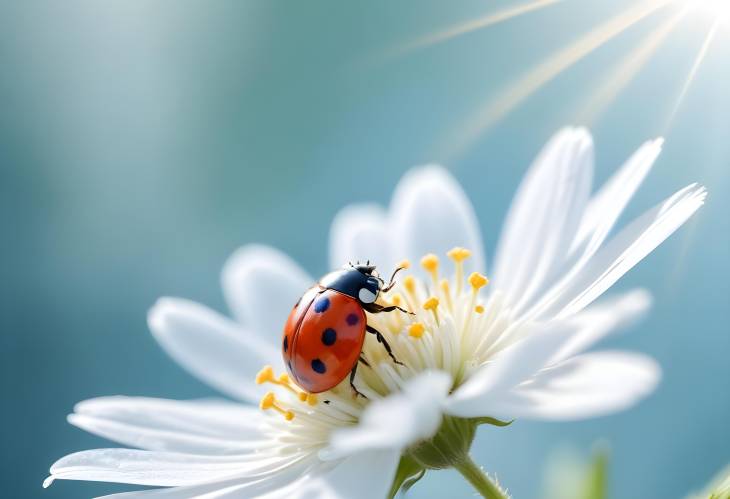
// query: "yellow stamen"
[[430, 263], [404, 264], [477, 280], [416, 330], [432, 305], [265, 374], [409, 282], [311, 399], [269, 402], [458, 255], [447, 293], [479, 309], [397, 300]]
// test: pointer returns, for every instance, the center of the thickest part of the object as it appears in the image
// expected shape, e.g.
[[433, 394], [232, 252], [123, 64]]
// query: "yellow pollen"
[[396, 299], [269, 402], [405, 265], [479, 309], [264, 375], [477, 280], [409, 282], [311, 399], [431, 303], [416, 330], [458, 254], [430, 263]]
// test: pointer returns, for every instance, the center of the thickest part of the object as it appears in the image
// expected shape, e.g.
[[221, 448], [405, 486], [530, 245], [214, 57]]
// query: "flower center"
[[437, 334]]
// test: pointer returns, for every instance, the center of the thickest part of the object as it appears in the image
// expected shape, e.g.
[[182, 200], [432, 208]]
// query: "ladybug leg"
[[374, 308], [381, 339], [352, 379]]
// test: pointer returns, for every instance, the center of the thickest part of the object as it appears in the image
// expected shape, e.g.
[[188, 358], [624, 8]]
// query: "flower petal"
[[261, 284], [148, 468], [544, 345], [590, 385], [609, 202], [510, 367], [361, 476], [195, 427], [602, 319], [360, 232], [272, 476], [430, 213], [544, 216], [626, 249], [211, 347], [396, 421]]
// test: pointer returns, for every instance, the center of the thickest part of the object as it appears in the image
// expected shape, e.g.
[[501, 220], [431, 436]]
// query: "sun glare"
[[717, 10]]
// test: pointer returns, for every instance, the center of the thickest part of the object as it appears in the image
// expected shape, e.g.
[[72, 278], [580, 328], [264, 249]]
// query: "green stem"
[[479, 480]]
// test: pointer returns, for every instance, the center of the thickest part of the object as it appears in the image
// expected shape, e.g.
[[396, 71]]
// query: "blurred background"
[[142, 142]]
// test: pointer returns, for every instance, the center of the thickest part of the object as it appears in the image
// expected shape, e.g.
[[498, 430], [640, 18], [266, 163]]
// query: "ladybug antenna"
[[392, 282]]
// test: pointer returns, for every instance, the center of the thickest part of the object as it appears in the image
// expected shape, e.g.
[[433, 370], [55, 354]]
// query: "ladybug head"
[[359, 281]]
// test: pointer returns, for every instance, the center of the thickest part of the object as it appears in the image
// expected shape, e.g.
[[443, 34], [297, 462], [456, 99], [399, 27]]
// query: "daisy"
[[472, 351]]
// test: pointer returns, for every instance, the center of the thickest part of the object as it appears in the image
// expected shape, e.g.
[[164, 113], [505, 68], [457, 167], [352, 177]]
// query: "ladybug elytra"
[[325, 331]]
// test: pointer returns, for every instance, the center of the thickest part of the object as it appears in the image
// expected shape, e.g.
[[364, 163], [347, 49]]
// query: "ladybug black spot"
[[329, 336], [286, 343], [318, 366], [352, 319], [322, 305]]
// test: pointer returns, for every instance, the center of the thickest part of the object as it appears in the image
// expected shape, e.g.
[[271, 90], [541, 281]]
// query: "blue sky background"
[[142, 142]]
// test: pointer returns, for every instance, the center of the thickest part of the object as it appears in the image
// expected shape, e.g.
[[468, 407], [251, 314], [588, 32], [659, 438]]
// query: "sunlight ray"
[[693, 72], [516, 93], [626, 70], [473, 25]]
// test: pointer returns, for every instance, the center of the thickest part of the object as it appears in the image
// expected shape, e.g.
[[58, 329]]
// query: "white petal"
[[362, 476], [261, 285], [544, 346], [544, 216], [212, 347], [598, 321], [609, 202], [254, 483], [360, 232], [626, 249], [148, 468], [590, 385], [397, 420], [430, 213], [509, 368], [195, 427]]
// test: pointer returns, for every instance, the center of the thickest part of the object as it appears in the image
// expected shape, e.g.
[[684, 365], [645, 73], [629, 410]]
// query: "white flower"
[[512, 349]]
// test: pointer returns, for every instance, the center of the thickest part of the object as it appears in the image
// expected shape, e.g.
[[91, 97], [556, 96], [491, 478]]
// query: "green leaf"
[[406, 476], [492, 421]]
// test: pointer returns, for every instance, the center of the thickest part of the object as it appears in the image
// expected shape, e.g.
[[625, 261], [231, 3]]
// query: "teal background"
[[142, 142]]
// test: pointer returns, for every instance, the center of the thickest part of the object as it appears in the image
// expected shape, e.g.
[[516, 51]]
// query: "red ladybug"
[[325, 331]]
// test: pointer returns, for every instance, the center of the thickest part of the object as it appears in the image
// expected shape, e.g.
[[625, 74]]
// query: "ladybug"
[[325, 331]]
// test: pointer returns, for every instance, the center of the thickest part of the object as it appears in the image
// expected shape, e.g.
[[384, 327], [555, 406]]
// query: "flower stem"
[[479, 480]]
